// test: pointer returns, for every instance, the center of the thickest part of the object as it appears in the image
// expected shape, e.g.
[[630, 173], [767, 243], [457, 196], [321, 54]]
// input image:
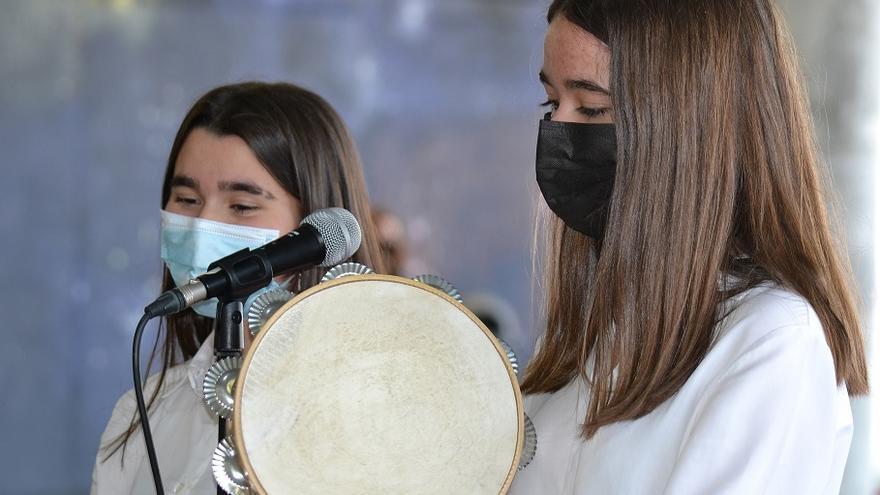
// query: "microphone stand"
[[228, 341], [255, 273]]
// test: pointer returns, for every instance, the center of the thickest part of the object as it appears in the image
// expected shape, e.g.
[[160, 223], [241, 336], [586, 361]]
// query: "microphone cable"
[[141, 405]]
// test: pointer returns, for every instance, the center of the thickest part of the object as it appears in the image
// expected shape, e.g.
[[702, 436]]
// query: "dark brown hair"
[[718, 173], [304, 144]]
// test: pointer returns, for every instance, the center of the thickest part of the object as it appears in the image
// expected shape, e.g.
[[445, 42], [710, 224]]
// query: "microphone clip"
[[238, 275]]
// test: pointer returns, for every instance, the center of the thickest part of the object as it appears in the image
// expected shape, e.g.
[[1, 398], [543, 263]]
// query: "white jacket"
[[762, 413], [184, 434]]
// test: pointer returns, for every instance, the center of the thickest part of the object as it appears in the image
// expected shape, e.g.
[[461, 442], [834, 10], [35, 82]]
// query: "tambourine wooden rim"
[[239, 387]]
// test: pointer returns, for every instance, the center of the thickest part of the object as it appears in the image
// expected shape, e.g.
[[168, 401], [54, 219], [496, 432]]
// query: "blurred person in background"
[[702, 332], [392, 240], [248, 163], [496, 313]]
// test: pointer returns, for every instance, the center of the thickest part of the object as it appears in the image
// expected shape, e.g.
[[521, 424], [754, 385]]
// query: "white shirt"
[[762, 413], [184, 435]]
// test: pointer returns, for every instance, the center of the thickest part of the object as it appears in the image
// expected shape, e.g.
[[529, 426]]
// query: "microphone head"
[[340, 232]]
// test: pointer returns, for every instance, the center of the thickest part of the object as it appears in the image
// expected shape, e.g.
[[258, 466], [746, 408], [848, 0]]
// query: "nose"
[[213, 212], [565, 114]]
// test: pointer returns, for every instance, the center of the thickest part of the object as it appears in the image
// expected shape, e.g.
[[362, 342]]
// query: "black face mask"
[[575, 168]]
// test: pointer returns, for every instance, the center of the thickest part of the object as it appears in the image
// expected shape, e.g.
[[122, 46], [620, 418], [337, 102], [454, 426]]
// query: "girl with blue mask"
[[249, 162]]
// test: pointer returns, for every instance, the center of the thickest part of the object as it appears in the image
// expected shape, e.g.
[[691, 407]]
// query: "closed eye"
[[186, 200], [592, 112], [243, 209], [585, 111], [552, 104]]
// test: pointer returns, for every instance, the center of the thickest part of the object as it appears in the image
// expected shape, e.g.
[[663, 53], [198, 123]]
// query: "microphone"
[[325, 238]]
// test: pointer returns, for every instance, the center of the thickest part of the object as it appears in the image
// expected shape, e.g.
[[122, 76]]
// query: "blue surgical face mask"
[[190, 244]]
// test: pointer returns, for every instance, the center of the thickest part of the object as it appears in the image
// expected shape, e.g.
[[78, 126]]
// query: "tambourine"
[[374, 384]]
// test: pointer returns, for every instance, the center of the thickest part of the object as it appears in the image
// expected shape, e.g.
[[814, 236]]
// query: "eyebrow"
[[184, 181], [575, 84], [246, 187]]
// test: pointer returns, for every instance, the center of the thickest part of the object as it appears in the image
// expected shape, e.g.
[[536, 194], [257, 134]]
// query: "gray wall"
[[440, 94], [839, 43]]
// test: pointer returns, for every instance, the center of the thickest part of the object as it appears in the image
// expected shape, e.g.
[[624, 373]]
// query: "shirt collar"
[[198, 366]]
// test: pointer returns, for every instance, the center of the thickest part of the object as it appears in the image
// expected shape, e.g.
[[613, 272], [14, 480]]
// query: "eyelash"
[[243, 208], [587, 112], [186, 201], [238, 208]]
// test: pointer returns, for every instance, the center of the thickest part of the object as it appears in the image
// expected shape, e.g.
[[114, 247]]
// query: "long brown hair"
[[718, 173], [300, 140]]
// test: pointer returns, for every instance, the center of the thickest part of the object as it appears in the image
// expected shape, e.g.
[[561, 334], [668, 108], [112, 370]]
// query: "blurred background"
[[442, 98]]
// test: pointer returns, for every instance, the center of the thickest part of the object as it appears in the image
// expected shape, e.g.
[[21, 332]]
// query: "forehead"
[[210, 158], [570, 52]]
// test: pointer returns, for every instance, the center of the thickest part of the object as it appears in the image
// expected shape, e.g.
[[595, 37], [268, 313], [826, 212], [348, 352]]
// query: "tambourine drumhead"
[[377, 385]]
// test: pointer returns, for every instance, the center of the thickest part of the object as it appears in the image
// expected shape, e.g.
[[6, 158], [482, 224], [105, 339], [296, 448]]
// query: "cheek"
[[177, 208], [286, 216]]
